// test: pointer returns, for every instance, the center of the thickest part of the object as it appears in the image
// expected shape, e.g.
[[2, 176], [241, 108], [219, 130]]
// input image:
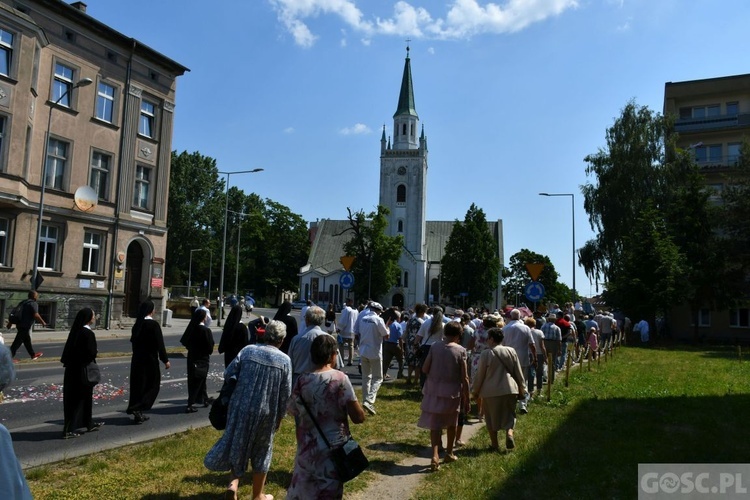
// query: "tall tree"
[[516, 277], [193, 212], [470, 264], [285, 249], [375, 267]]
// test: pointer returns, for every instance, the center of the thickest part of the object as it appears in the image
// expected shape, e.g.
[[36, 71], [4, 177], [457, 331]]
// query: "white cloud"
[[289, 130], [464, 18], [625, 26], [356, 129], [431, 50]]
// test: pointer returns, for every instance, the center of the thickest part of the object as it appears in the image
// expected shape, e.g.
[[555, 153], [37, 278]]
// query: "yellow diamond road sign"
[[347, 261], [534, 269]]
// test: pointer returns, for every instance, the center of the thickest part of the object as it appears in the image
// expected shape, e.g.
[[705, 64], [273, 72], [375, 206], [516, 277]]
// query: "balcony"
[[707, 123], [718, 162]]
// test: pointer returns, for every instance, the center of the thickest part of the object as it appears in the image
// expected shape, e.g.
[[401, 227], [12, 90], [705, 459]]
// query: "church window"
[[401, 194], [406, 279], [400, 226], [412, 130], [403, 129], [398, 281]]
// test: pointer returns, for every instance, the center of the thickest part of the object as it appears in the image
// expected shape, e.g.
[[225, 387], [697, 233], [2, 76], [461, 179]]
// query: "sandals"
[[449, 458], [70, 435], [230, 494], [434, 465], [191, 409], [94, 426], [510, 443]]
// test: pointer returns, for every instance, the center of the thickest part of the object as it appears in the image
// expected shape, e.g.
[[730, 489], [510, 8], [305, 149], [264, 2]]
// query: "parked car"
[[299, 304]]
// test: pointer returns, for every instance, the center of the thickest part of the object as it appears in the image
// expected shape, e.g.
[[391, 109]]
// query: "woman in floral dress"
[[330, 397], [478, 345], [257, 406]]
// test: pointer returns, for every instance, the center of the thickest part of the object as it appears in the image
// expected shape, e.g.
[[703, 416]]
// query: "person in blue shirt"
[[393, 345]]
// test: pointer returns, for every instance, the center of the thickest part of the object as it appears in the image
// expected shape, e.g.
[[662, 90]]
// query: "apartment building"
[[86, 119], [712, 118]]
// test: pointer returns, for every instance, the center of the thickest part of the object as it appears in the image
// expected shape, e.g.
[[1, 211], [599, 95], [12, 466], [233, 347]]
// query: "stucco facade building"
[[712, 118], [86, 119]]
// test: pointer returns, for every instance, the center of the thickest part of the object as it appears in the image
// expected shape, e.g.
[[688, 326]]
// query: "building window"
[[401, 194], [739, 318], [400, 226], [148, 118], [708, 154], [92, 243], [403, 129], [48, 248], [142, 186], [57, 156], [714, 192], [406, 279], [105, 102], [4, 235], [412, 130], [706, 111], [703, 317], [733, 152], [6, 52], [99, 181], [398, 280], [62, 85], [733, 108]]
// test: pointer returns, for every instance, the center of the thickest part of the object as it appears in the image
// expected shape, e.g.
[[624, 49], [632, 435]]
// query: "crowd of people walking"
[[497, 361]]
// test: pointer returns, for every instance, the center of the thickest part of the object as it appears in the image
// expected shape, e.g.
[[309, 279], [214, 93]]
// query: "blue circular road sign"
[[534, 291], [346, 280]]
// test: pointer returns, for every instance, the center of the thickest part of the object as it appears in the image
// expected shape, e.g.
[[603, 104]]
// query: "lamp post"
[[573, 212], [35, 273], [237, 267], [224, 244], [190, 270]]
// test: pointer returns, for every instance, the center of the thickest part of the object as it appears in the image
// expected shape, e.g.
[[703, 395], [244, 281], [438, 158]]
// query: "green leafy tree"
[[376, 254], [471, 264], [285, 249], [735, 227], [193, 213], [516, 277], [656, 246]]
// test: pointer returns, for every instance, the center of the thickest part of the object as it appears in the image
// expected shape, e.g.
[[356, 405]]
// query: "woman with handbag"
[[145, 375], [199, 342], [256, 407], [499, 382], [322, 403], [445, 391], [78, 391]]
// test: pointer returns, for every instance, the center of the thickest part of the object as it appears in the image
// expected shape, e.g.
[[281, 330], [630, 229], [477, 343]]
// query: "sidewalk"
[[177, 326]]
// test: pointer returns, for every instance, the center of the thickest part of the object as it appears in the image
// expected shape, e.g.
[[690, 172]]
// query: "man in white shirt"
[[346, 330], [206, 305], [372, 330]]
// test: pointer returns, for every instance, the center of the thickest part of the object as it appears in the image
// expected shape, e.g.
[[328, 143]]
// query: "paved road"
[[32, 409]]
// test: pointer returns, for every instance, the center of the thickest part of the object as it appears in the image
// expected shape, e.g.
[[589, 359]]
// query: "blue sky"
[[512, 94]]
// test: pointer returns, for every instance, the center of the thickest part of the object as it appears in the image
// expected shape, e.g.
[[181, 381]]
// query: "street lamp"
[[237, 267], [224, 245], [190, 270], [573, 212], [35, 273]]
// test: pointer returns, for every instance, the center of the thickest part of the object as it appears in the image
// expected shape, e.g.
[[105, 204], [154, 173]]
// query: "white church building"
[[403, 189]]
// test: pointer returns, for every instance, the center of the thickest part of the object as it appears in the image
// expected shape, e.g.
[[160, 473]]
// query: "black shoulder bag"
[[348, 459], [219, 411]]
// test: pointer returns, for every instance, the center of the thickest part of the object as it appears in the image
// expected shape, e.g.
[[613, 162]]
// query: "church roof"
[[330, 236], [406, 96], [328, 246]]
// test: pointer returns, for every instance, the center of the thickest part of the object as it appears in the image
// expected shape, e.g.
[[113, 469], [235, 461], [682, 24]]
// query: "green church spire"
[[406, 96]]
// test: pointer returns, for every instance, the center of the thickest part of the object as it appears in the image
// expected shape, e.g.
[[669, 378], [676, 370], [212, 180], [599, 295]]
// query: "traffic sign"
[[346, 280], [347, 261], [534, 269], [534, 291]]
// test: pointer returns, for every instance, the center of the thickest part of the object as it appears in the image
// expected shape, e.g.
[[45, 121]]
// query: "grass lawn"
[[644, 406]]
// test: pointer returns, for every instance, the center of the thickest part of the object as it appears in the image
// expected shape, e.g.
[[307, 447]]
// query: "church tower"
[[403, 189]]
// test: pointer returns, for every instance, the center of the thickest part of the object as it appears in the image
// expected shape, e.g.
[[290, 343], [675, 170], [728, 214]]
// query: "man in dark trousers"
[[29, 314]]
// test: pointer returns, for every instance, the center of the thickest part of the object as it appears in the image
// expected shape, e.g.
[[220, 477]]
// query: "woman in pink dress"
[[330, 397], [445, 390]]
